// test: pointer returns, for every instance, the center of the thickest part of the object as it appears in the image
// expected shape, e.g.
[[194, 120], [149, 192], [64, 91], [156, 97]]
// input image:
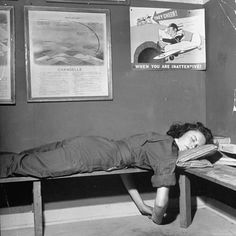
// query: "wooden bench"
[[219, 174], [223, 175], [37, 197]]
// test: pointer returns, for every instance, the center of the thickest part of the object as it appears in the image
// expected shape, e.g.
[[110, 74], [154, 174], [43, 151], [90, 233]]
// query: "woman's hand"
[[146, 210]]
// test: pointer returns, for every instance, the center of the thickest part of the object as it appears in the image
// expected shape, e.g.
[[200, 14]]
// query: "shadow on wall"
[[145, 52]]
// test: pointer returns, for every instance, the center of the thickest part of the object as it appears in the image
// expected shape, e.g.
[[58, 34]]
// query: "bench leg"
[[185, 201], [37, 207]]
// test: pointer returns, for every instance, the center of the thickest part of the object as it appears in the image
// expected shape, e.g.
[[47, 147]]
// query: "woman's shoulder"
[[154, 136], [148, 137]]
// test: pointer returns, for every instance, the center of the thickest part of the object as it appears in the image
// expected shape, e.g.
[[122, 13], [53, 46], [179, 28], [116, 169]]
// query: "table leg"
[[185, 201], [38, 211]]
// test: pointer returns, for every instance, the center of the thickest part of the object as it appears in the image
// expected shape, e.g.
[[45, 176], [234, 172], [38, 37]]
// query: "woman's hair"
[[178, 129]]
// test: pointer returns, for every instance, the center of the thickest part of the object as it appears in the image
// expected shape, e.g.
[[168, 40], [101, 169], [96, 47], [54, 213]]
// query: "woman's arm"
[[129, 184], [161, 200], [160, 205]]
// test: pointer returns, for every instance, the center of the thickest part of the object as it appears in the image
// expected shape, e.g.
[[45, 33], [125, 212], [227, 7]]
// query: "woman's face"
[[190, 139]]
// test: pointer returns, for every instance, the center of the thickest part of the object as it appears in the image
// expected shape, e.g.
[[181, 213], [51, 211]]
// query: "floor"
[[205, 223]]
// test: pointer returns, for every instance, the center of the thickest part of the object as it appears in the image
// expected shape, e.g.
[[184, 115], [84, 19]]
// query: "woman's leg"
[[54, 162], [6, 159]]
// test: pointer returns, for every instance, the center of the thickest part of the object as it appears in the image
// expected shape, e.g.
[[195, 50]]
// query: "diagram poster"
[[167, 39], [68, 54]]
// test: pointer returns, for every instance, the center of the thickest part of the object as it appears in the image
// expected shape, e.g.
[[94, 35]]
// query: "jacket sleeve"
[[164, 174], [162, 158]]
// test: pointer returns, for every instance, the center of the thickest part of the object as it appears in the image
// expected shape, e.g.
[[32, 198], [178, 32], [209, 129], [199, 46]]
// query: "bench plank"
[[95, 173], [220, 174]]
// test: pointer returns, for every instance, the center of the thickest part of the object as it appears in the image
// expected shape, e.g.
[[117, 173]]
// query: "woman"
[[86, 154], [184, 136]]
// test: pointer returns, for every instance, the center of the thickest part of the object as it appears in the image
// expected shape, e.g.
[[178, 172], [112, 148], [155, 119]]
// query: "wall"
[[221, 58], [143, 100]]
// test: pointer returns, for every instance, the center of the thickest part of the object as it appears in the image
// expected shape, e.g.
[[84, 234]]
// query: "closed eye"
[[195, 138], [195, 141]]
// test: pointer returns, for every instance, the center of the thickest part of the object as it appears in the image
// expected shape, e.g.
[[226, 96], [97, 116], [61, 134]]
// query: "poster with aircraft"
[[167, 39]]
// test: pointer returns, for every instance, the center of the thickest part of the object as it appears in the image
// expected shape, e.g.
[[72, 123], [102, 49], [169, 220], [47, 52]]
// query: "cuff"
[[163, 180]]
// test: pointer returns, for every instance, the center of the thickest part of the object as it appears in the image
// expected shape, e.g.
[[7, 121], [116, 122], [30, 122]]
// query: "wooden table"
[[219, 174]]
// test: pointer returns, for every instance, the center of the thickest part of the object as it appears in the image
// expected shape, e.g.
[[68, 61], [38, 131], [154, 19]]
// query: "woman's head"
[[190, 135]]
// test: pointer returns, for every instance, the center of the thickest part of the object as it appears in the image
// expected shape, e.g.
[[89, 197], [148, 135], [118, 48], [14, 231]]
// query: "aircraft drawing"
[[172, 53]]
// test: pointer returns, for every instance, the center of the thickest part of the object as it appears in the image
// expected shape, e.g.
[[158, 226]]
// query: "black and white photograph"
[[123, 121]]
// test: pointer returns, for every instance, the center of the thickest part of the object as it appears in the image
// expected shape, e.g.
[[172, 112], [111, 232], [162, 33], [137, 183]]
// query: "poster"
[[68, 54], [7, 57], [167, 39]]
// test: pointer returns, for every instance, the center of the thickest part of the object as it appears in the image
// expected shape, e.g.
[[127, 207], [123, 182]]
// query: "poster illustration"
[[167, 39]]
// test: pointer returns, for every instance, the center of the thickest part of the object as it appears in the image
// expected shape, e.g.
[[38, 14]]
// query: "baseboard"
[[74, 214], [81, 213], [221, 209], [91, 212]]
